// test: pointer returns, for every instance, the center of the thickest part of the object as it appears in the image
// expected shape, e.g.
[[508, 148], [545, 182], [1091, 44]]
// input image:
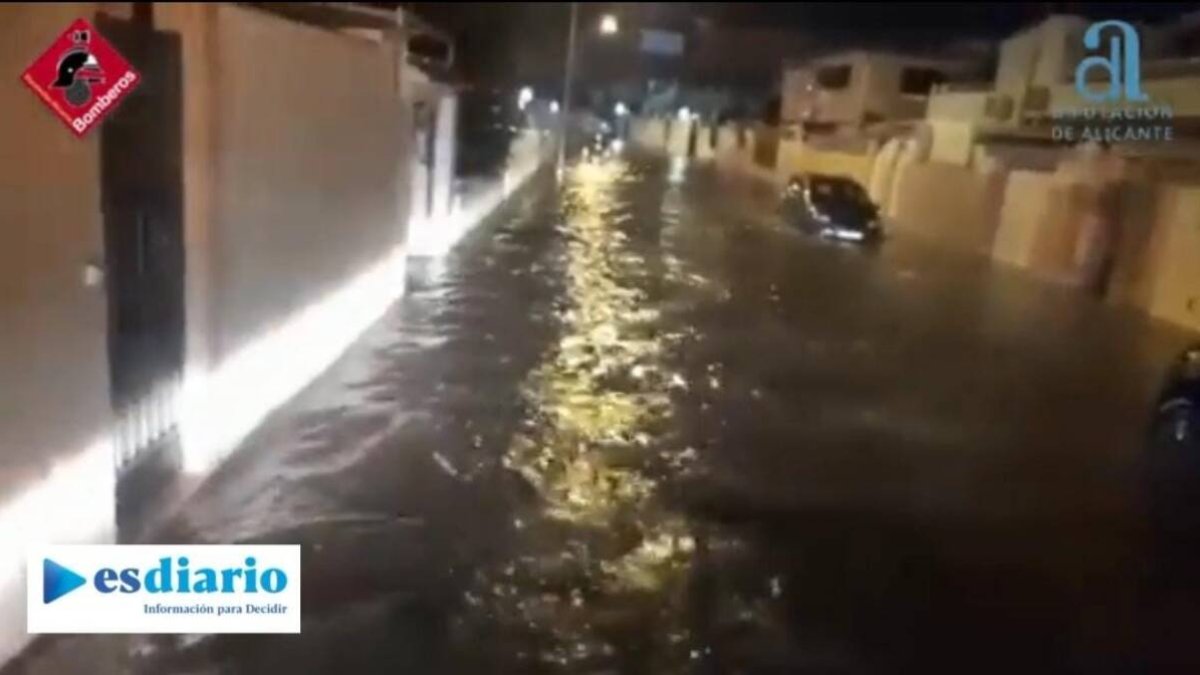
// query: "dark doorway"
[[141, 151]]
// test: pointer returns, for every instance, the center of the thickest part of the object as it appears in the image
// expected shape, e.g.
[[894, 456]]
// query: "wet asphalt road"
[[640, 427]]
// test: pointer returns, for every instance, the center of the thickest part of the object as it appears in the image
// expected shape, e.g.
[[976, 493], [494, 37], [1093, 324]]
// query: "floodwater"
[[635, 425]]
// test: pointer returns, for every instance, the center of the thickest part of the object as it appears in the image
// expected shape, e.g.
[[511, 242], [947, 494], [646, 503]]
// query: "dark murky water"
[[639, 427]]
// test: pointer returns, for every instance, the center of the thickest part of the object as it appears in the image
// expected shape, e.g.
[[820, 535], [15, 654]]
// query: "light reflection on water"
[[601, 401]]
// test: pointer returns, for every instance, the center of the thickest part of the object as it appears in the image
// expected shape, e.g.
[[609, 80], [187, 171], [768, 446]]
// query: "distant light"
[[685, 114], [554, 106], [524, 97], [618, 145], [609, 25], [620, 109]]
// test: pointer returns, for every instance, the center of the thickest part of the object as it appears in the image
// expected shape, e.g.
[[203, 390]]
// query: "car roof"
[[824, 177]]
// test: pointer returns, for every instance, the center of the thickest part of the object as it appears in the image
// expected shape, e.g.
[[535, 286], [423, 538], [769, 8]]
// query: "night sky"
[[504, 41]]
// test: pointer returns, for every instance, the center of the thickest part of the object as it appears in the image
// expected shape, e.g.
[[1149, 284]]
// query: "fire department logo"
[[81, 78]]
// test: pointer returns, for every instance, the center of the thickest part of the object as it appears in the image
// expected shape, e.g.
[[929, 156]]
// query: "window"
[[827, 190], [918, 81], [834, 77]]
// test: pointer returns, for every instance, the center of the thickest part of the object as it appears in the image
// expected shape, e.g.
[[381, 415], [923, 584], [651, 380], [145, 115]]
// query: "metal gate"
[[142, 200]]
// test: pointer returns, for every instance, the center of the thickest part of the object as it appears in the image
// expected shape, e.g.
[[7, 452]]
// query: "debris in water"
[[445, 464]]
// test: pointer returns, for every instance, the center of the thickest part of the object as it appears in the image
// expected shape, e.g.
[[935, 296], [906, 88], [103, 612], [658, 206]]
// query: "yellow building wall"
[[1141, 242], [1176, 285], [953, 142], [794, 157], [1028, 201], [956, 207], [705, 147]]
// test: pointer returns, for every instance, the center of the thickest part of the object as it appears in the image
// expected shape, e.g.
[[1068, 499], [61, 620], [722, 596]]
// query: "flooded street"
[[638, 426]]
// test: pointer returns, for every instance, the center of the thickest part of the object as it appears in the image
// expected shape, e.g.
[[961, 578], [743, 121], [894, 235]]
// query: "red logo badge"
[[81, 77]]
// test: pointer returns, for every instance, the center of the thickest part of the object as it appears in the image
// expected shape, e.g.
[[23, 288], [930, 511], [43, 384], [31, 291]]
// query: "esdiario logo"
[[163, 589], [1110, 79]]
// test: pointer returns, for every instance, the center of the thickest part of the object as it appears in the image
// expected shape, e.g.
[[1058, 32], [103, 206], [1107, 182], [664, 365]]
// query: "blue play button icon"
[[57, 581]]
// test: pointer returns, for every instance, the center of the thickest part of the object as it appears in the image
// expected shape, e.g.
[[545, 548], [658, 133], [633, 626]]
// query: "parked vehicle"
[[831, 206], [602, 143], [1173, 457]]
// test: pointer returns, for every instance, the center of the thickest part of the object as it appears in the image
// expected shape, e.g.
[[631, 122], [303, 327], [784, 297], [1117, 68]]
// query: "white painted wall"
[[56, 475]]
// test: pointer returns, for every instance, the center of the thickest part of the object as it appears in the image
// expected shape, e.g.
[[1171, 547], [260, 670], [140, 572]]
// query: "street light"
[[620, 109], [609, 25]]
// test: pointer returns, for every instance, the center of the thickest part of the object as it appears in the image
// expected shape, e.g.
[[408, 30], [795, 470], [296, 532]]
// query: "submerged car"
[[831, 206]]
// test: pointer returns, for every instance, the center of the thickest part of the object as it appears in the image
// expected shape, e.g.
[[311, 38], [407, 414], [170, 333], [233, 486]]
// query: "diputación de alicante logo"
[[81, 77]]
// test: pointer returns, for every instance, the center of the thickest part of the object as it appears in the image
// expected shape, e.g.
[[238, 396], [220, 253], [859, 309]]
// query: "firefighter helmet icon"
[[78, 70], [80, 77]]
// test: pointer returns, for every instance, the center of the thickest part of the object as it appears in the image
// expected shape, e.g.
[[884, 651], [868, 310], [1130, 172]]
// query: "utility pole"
[[564, 110]]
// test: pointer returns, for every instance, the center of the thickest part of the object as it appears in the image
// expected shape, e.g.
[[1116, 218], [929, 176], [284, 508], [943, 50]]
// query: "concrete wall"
[[729, 155], [1060, 49], [1018, 59], [873, 88], [840, 106], [307, 186], [431, 169], [54, 405], [195, 23], [794, 157], [1175, 286], [444, 153], [1144, 217], [475, 198], [304, 195], [958, 106], [883, 96], [1042, 55], [1029, 197], [952, 117], [706, 147], [677, 137], [1062, 235], [956, 206], [56, 477], [1052, 226], [648, 132], [952, 142], [798, 94]]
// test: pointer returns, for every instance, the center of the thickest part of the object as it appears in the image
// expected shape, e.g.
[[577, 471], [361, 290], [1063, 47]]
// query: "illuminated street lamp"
[[524, 97], [609, 25], [620, 109]]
